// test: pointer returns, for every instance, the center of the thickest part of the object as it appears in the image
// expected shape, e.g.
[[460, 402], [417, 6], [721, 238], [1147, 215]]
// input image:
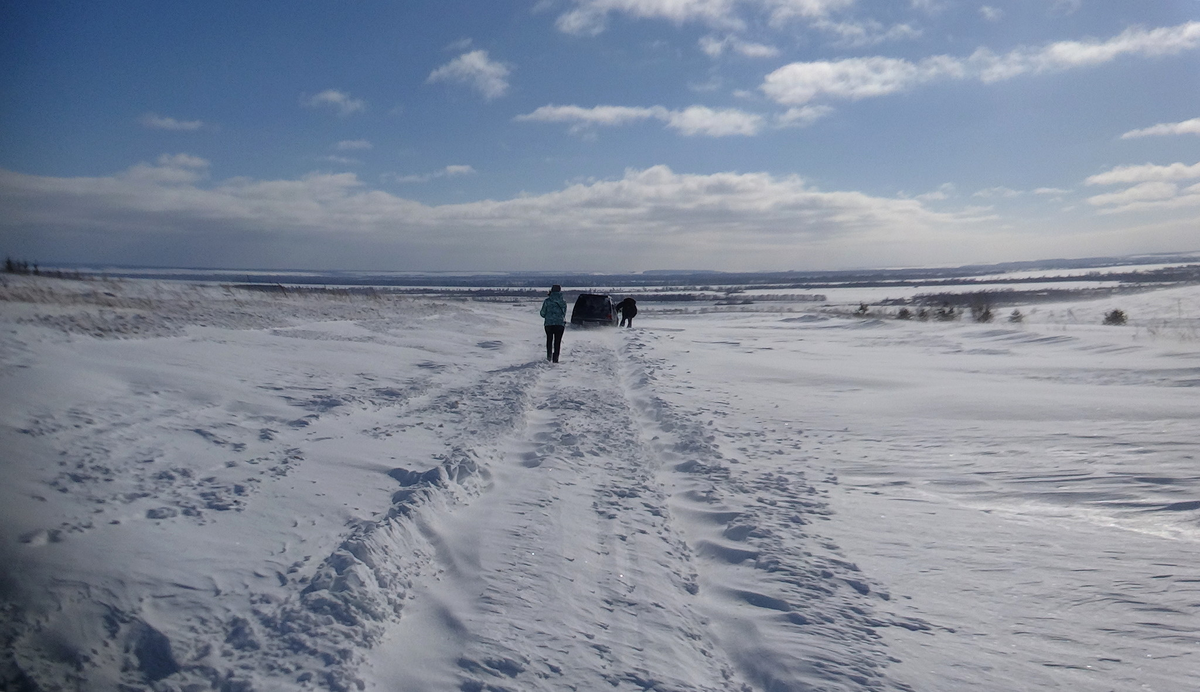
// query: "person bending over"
[[627, 308]]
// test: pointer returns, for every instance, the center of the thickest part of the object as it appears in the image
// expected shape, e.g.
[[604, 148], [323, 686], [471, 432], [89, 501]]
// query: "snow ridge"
[[322, 634]]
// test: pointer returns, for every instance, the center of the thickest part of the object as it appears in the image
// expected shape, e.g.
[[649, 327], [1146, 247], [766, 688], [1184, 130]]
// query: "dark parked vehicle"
[[593, 309]]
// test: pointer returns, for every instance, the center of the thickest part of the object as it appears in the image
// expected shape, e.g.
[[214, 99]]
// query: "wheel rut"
[[567, 573], [619, 543]]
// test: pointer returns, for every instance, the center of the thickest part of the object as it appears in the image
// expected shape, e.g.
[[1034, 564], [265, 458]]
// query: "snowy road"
[[211, 489], [616, 547]]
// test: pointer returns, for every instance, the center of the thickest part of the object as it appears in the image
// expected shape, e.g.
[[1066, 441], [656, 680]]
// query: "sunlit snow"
[[208, 487]]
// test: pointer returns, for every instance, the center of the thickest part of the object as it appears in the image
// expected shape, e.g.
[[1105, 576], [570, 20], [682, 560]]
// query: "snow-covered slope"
[[210, 488]]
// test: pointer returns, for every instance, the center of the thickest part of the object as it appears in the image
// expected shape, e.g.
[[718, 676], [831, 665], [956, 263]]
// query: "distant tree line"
[[12, 266], [980, 311]]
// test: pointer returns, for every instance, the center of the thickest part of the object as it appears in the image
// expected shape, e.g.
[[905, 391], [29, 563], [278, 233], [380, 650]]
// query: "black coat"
[[627, 307]]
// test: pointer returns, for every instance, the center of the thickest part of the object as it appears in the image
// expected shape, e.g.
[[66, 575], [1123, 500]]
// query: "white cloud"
[[866, 33], [929, 6], [1070, 54], [716, 47], [581, 118], [582, 22], [1188, 199], [1152, 188], [700, 120], [856, 78], [713, 84], [1051, 191], [340, 101], [993, 192], [803, 116], [694, 120], [182, 161], [341, 160], [668, 219], [161, 122], [1147, 172], [992, 14], [353, 145], [1187, 127], [447, 172], [169, 169], [852, 78], [590, 17], [785, 10], [944, 191], [476, 70], [646, 219], [1141, 192]]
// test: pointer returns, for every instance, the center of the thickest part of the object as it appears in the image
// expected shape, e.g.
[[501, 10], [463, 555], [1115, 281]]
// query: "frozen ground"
[[215, 489]]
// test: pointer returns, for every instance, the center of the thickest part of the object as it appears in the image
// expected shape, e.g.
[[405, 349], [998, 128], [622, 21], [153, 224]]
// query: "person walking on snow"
[[554, 309], [627, 308]]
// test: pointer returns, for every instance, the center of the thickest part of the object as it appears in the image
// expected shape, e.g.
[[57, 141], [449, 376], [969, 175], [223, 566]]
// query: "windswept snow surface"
[[210, 488]]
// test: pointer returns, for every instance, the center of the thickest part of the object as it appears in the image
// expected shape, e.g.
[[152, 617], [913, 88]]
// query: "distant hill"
[[1187, 269]]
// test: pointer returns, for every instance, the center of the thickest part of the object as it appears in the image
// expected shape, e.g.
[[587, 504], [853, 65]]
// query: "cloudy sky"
[[602, 135]]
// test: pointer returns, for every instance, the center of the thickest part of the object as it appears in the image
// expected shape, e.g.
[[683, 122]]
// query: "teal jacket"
[[554, 309]]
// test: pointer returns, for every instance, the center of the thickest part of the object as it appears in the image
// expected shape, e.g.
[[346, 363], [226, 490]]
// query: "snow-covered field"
[[210, 488]]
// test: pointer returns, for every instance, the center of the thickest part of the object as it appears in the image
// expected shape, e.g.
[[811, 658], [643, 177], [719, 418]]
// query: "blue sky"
[[600, 135]]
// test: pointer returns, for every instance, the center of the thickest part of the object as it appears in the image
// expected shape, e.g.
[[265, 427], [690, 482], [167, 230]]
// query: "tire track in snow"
[[787, 607], [566, 574]]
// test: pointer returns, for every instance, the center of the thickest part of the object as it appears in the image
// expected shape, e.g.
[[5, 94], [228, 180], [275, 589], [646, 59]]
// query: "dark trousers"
[[554, 334], [626, 320]]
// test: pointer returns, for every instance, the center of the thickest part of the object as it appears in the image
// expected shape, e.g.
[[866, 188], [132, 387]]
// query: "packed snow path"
[[611, 541]]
